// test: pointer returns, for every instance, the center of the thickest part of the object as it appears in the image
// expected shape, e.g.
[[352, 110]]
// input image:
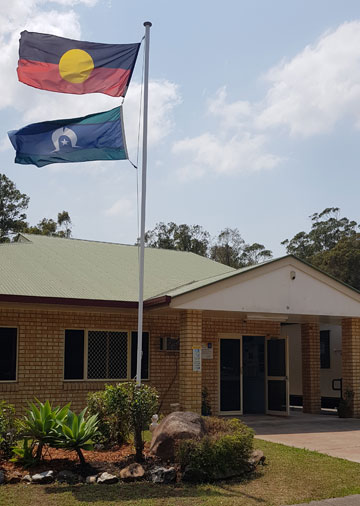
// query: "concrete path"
[[350, 500], [338, 437]]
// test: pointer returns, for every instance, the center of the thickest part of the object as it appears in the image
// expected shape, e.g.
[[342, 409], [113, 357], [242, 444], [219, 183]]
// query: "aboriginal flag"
[[97, 136], [57, 64]]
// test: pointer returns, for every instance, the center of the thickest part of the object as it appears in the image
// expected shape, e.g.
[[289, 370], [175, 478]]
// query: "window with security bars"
[[107, 355]]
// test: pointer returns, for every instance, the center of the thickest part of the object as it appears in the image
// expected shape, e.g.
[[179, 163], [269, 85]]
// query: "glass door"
[[277, 376], [230, 376]]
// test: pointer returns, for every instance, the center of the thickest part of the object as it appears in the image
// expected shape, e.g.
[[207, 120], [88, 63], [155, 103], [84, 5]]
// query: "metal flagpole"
[[147, 25]]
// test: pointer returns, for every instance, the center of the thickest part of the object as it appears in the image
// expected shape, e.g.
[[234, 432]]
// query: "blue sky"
[[254, 115]]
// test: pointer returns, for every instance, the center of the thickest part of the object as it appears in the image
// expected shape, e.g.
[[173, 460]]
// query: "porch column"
[[189, 380], [310, 350], [351, 361]]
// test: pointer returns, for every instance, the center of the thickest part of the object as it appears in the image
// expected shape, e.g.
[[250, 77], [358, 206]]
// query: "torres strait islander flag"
[[57, 64], [94, 137]]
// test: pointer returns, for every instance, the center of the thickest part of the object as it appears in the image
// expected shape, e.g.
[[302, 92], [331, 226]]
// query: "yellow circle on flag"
[[76, 66]]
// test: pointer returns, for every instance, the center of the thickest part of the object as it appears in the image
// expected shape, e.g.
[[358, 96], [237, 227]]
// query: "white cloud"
[[236, 114], [122, 208], [163, 98], [211, 153], [318, 87], [235, 148], [308, 94]]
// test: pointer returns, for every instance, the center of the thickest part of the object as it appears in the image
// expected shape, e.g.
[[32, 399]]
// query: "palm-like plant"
[[76, 433], [41, 423]]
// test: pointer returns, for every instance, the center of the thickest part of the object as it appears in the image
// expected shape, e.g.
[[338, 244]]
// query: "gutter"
[[32, 299]]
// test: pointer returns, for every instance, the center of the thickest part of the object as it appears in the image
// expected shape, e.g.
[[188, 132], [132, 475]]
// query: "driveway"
[[338, 437]]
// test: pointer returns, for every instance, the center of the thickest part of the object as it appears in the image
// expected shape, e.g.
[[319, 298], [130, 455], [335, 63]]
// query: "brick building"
[[68, 318]]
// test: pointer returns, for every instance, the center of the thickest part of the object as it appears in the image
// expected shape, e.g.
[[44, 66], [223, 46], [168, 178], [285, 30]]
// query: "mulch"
[[112, 461]]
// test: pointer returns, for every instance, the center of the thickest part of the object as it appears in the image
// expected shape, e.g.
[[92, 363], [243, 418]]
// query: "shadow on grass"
[[131, 492]]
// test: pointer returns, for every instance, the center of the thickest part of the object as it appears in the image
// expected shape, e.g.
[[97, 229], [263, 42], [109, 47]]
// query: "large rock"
[[176, 426], [43, 478], [163, 475], [257, 457], [107, 479], [132, 472], [67, 477]]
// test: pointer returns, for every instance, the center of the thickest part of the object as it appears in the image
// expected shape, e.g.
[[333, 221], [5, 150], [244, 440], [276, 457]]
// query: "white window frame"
[[17, 353], [86, 349]]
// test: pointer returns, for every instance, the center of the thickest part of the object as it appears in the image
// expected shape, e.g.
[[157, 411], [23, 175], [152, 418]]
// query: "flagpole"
[[147, 25]]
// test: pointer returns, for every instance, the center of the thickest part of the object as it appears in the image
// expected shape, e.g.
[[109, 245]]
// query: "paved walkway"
[[338, 437], [350, 500]]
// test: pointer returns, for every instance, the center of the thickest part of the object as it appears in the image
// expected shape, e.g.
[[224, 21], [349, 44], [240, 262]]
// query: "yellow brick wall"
[[310, 353], [190, 381], [351, 360], [41, 353]]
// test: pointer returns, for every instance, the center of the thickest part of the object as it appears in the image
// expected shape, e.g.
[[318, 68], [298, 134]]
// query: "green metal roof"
[[44, 266]]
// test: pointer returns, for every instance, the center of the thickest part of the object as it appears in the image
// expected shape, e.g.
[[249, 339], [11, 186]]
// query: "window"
[[74, 354], [103, 355], [8, 353], [325, 349]]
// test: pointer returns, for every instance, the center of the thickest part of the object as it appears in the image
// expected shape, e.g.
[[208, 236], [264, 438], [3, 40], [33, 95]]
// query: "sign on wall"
[[207, 351], [197, 359]]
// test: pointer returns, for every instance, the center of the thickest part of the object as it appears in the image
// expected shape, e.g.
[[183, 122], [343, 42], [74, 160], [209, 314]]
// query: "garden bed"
[[111, 461]]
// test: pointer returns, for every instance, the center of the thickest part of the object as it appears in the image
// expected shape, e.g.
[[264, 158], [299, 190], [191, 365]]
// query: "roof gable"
[[285, 286]]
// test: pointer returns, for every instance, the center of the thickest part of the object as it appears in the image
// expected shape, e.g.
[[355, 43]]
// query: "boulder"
[[90, 480], [67, 477], [2, 477], [43, 478], [176, 426], [132, 472], [163, 475], [107, 479], [257, 457]]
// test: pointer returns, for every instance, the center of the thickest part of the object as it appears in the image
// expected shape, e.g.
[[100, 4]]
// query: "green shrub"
[[218, 453], [111, 407], [76, 433], [9, 429], [123, 409], [143, 403], [96, 405]]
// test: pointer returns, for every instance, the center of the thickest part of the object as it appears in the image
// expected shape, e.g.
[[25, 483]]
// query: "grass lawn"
[[291, 476]]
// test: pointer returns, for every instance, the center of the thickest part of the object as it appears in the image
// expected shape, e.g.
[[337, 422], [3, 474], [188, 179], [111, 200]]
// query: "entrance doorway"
[[230, 376], [254, 375]]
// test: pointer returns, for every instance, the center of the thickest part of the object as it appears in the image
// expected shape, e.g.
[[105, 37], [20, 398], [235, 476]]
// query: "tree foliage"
[[327, 229], [333, 245], [13, 205], [231, 249], [182, 237], [48, 226], [228, 247]]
